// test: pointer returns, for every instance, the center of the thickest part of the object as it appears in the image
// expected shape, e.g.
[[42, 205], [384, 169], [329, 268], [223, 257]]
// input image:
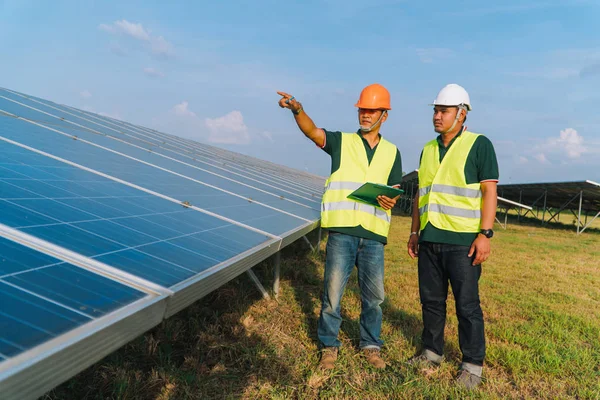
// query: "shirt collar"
[[359, 133], [441, 142]]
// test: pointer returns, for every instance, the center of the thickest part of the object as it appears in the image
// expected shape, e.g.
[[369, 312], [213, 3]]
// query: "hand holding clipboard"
[[377, 195]]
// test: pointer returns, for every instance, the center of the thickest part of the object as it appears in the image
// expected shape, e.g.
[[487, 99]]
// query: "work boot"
[[328, 357], [374, 358], [426, 360], [467, 380]]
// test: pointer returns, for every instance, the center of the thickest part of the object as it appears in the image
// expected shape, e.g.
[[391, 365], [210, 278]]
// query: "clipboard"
[[368, 193]]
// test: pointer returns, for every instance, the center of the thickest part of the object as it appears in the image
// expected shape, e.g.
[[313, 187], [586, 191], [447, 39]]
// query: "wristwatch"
[[488, 233]]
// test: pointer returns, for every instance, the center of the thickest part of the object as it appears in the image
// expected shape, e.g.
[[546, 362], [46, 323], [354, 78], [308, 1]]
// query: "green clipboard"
[[368, 193]]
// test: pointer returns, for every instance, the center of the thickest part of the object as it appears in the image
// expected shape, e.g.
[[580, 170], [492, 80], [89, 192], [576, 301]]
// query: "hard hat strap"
[[460, 107], [366, 130]]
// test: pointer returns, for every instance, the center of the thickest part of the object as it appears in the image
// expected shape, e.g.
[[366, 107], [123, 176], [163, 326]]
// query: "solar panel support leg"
[[521, 202], [319, 242], [589, 223], [579, 213], [258, 284], [309, 243], [557, 214], [276, 272], [505, 218], [545, 202]]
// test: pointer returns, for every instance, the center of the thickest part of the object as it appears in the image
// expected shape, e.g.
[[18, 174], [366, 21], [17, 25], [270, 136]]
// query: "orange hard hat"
[[374, 97]]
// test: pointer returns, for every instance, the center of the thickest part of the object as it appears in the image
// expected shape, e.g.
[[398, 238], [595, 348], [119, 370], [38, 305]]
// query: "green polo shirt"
[[333, 147], [481, 165]]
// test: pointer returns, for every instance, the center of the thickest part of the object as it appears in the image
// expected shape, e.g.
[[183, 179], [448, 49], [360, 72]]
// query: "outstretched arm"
[[306, 125]]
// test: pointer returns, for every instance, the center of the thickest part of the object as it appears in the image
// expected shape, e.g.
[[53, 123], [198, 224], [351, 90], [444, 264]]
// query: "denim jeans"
[[343, 253], [438, 264]]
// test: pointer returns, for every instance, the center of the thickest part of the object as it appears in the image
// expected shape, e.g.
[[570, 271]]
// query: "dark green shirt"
[[481, 166], [333, 147]]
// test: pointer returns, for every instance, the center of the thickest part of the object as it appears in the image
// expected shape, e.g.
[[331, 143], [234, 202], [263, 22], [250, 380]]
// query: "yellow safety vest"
[[337, 210], [445, 198]]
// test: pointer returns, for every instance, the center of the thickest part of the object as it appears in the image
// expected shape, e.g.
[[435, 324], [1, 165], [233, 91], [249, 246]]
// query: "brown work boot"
[[374, 358], [328, 357]]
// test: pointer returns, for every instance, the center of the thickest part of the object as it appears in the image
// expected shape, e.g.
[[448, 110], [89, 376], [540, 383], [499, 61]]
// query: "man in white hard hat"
[[452, 220], [357, 231]]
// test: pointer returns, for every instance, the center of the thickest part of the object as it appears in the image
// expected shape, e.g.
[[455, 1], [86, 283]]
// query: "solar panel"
[[556, 193], [102, 221], [151, 141], [43, 297], [142, 234]]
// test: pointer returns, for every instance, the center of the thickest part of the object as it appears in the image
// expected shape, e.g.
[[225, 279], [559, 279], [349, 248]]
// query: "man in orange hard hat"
[[357, 231]]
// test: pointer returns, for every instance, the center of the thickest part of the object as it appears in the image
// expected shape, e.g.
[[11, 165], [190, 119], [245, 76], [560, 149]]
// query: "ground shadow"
[[205, 351]]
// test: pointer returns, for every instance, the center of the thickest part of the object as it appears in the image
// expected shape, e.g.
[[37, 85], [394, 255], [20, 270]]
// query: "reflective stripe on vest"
[[457, 191], [356, 206], [449, 210], [445, 199], [343, 186], [337, 210]]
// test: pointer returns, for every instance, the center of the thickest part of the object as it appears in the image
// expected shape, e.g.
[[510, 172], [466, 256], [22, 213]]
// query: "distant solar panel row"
[[101, 221]]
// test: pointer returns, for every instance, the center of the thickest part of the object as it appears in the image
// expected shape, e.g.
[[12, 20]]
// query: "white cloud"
[[523, 160], [228, 129], [568, 146], [428, 56], [570, 142], [161, 47], [154, 73], [125, 27], [158, 45], [182, 110], [85, 94]]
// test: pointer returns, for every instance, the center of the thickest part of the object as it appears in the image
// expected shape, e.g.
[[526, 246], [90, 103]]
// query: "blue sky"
[[209, 71]]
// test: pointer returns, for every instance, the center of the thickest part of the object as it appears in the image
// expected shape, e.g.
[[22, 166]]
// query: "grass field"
[[540, 296]]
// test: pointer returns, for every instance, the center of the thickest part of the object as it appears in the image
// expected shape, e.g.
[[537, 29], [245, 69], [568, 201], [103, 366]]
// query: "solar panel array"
[[557, 193], [103, 221]]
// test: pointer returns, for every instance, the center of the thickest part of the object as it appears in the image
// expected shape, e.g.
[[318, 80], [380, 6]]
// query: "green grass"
[[540, 295]]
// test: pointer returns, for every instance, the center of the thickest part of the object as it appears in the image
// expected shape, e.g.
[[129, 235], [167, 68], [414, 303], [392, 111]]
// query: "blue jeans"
[[343, 253], [438, 264]]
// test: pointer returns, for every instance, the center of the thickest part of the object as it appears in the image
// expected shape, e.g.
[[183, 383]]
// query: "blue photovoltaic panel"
[[219, 202], [280, 181], [42, 297], [270, 176], [121, 226], [266, 195], [125, 204]]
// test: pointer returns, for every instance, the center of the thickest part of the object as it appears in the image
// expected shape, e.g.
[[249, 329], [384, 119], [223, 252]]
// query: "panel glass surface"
[[124, 227], [42, 297], [270, 195], [131, 170]]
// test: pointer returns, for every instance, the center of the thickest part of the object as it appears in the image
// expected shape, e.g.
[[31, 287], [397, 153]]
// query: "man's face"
[[443, 118], [367, 117]]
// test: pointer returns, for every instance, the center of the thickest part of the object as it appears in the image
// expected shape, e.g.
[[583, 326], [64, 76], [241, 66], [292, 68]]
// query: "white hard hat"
[[452, 95]]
